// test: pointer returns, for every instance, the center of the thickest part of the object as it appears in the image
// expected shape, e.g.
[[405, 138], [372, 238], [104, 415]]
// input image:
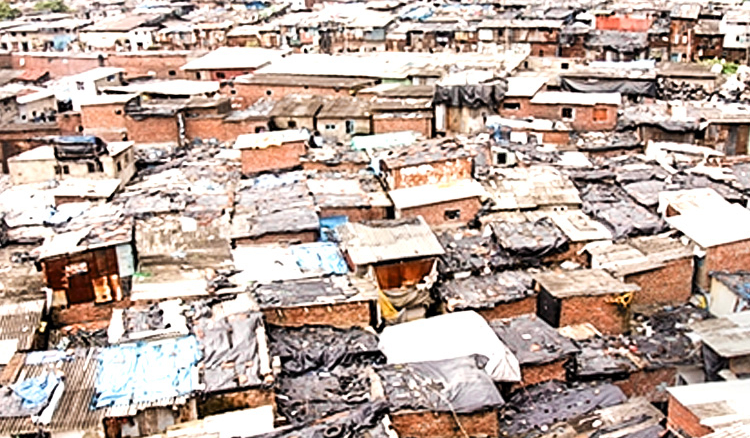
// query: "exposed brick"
[[341, 315], [86, 313], [511, 309], [433, 173], [247, 94], [538, 373], [423, 125], [216, 127], [671, 284], [435, 214], [212, 404], [355, 214], [444, 425], [680, 419], [285, 156], [730, 257], [607, 317], [650, 384]]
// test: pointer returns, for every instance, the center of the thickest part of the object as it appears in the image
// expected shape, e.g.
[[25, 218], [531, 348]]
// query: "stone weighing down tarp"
[[455, 385], [147, 372], [450, 336]]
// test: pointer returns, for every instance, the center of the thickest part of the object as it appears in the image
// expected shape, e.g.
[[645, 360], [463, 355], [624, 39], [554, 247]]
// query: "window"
[[259, 129], [501, 158], [541, 53], [512, 106], [80, 128], [452, 215], [198, 75], [99, 166], [220, 75], [567, 113], [58, 170], [330, 127], [80, 86], [172, 73], [600, 114], [119, 166], [91, 167], [111, 78], [233, 91], [350, 126], [126, 158], [66, 170], [565, 66], [269, 92], [291, 124], [118, 112]]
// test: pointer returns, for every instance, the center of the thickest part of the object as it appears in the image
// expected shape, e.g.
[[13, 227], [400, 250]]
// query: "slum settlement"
[[374, 219]]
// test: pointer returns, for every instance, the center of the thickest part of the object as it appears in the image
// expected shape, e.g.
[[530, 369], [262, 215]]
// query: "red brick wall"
[[57, 66], [69, 123], [511, 309], [435, 214], [606, 317], [153, 130], [623, 23], [682, 420], [440, 172], [216, 127], [729, 257], [285, 156], [533, 374], [423, 125], [248, 94], [341, 315], [103, 116], [86, 313], [355, 214], [582, 116], [650, 384], [443, 424], [142, 64], [556, 137], [671, 284], [247, 399]]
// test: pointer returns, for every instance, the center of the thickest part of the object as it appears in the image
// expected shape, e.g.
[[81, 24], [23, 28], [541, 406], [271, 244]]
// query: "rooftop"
[[582, 282], [235, 58]]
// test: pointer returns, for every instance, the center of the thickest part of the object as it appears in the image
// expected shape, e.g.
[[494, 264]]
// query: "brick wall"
[[341, 315], [510, 310], [556, 137], [57, 66], [153, 130], [434, 173], [671, 284], [212, 404], [271, 158], [679, 418], [606, 317], [538, 373], [16, 141], [650, 384], [443, 424], [247, 94], [356, 214], [85, 313], [423, 125], [583, 116], [218, 128], [729, 257], [158, 64], [435, 214], [69, 123]]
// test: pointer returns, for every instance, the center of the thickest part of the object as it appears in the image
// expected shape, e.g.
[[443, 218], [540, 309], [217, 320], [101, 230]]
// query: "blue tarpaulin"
[[36, 391], [328, 227], [147, 372], [320, 257]]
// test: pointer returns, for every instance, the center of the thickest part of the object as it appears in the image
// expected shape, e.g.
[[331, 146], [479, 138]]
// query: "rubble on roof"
[[485, 291]]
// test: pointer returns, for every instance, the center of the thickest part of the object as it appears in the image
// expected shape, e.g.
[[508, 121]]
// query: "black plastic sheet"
[[601, 85], [471, 96], [365, 421]]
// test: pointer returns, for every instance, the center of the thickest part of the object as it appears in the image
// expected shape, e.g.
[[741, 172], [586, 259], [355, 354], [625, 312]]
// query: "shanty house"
[[269, 151], [730, 292], [457, 202], [584, 295], [504, 294], [424, 163], [584, 111], [726, 350], [698, 410], [395, 252]]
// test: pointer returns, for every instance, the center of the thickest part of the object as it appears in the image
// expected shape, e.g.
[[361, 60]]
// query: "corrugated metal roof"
[[381, 241], [20, 321]]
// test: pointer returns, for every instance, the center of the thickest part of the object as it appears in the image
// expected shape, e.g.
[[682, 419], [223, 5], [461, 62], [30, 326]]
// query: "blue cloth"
[[36, 391], [320, 257], [147, 372]]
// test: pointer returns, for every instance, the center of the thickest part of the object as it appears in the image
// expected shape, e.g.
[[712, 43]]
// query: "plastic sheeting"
[[622, 86], [27, 397], [623, 217], [322, 348], [364, 421], [529, 410], [532, 340], [471, 96], [486, 291], [530, 239], [147, 372], [78, 147], [450, 336], [320, 256], [454, 385]]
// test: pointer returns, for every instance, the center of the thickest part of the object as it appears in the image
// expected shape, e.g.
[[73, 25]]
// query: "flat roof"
[[582, 282], [235, 58], [715, 404], [45, 152], [435, 193], [263, 140], [571, 98], [523, 86], [95, 74], [728, 336], [709, 227]]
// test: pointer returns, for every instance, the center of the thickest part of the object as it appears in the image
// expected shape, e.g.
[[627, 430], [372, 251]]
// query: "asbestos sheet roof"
[[716, 404], [530, 187], [728, 336], [714, 226], [571, 98], [418, 196], [235, 58], [263, 140], [532, 340], [388, 240], [582, 282]]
